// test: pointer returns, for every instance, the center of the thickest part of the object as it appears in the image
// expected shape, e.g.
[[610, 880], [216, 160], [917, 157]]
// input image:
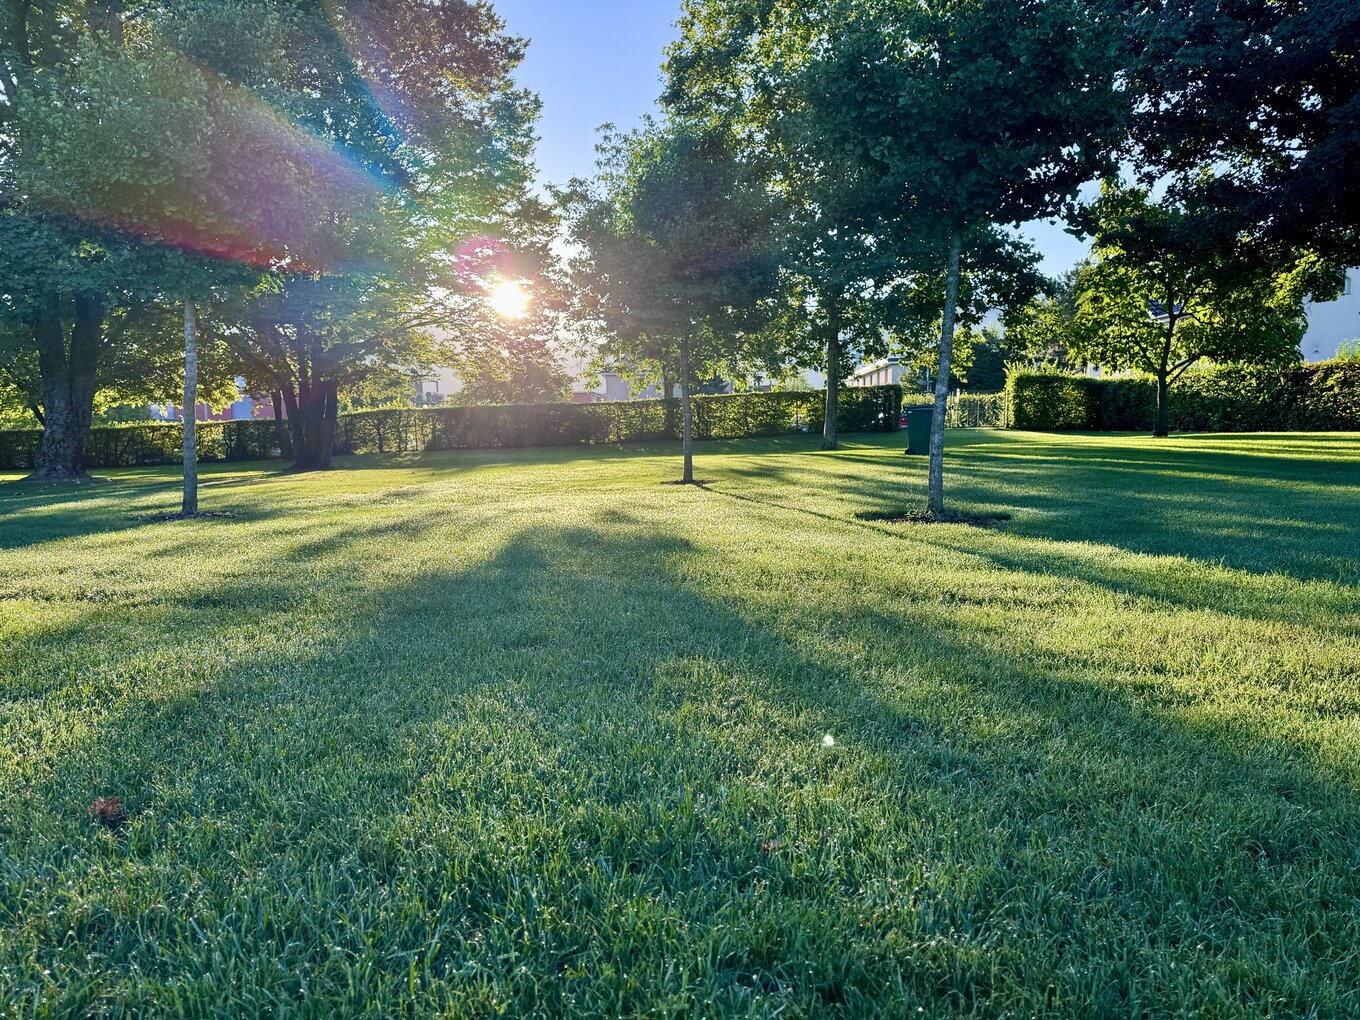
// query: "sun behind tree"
[[510, 299]]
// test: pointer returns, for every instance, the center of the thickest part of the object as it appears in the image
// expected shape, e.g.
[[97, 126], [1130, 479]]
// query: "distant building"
[[888, 372], [1332, 323], [435, 389], [245, 408]]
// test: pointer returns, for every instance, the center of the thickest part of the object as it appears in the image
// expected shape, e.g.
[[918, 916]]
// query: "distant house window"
[[1346, 288]]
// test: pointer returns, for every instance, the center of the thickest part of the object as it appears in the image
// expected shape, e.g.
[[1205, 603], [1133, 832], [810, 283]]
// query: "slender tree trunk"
[[68, 385], [686, 417], [189, 505], [281, 426], [833, 383], [1162, 427], [935, 505]]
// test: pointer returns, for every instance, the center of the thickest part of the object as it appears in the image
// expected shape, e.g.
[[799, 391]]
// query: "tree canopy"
[[679, 252], [355, 168], [1171, 285]]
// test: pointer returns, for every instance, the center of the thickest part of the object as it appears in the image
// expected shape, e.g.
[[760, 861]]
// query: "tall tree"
[[962, 114], [413, 106], [1169, 286], [738, 64], [679, 257], [350, 149], [153, 202]]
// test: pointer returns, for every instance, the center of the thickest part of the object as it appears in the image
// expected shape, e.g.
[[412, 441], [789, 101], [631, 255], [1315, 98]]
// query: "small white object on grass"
[[828, 741]]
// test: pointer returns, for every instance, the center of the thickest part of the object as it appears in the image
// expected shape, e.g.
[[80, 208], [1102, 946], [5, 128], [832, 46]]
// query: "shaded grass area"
[[530, 734]]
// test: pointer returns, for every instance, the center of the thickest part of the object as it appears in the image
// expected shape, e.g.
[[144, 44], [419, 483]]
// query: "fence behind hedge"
[[402, 430], [1321, 397]]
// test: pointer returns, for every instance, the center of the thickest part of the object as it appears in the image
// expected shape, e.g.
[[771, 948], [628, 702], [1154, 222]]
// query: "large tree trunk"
[[189, 505], [105, 18], [833, 383], [311, 422], [935, 504], [68, 385], [686, 417]]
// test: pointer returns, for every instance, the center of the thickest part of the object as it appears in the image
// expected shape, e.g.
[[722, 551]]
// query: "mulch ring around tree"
[[990, 520]]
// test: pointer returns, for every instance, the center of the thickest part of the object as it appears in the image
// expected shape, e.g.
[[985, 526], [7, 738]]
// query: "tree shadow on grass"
[[574, 777], [1293, 516], [33, 515]]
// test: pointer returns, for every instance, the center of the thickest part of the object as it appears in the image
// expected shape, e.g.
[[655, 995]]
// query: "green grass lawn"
[[530, 734]]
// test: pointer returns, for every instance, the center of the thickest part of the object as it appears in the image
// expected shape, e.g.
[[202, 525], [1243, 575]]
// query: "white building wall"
[[1331, 323]]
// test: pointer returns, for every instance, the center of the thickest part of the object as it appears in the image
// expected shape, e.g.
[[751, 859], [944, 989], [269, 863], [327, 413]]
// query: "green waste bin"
[[918, 429]]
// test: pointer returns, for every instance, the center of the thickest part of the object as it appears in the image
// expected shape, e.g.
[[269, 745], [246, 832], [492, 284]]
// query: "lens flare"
[[509, 299]]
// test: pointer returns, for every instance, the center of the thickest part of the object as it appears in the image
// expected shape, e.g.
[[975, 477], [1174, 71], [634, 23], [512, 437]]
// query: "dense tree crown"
[[1171, 285], [1252, 107], [367, 161], [905, 133], [678, 257]]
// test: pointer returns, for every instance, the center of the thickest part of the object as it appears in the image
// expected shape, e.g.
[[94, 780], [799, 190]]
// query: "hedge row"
[[400, 430], [733, 416], [1321, 397], [151, 443]]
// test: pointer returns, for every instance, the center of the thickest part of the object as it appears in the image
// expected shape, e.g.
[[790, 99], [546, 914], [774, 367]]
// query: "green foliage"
[[1052, 400], [135, 445], [817, 93], [979, 411], [1222, 298], [1348, 351], [406, 429], [730, 416], [1232, 398], [983, 370], [1040, 331], [678, 255], [381, 388], [1249, 108], [513, 364]]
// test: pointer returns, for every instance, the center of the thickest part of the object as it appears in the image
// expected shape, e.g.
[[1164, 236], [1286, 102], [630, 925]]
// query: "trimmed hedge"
[[153, 443], [1321, 397], [731, 416], [402, 430]]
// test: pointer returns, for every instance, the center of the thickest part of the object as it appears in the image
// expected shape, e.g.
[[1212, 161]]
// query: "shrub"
[[1041, 400], [149, 443], [1230, 398], [410, 430], [979, 411], [730, 416]]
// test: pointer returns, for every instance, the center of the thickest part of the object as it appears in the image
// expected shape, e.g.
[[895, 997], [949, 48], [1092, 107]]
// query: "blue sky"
[[599, 61]]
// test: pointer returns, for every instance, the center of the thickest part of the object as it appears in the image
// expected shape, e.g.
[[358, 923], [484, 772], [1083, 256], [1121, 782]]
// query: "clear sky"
[[599, 61]]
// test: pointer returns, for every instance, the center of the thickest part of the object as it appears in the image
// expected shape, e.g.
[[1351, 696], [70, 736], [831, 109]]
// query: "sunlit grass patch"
[[527, 733]]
